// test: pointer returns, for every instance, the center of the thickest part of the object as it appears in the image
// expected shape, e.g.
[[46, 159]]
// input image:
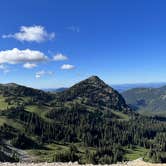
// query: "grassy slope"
[[48, 152], [11, 122], [135, 153], [3, 105], [39, 110], [121, 115]]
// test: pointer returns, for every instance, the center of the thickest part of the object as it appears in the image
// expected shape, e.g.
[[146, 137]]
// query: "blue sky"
[[55, 43]]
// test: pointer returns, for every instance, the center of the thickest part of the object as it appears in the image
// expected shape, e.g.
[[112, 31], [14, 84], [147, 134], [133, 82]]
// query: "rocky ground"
[[137, 162]]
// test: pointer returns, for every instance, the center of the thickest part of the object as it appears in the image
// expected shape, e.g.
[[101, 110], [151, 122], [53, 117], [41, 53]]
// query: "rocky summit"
[[96, 92]]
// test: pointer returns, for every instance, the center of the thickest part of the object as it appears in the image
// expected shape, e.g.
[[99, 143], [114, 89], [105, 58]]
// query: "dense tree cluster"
[[95, 129]]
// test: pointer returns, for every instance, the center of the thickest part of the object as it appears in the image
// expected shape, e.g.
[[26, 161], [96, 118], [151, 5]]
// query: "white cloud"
[[60, 57], [37, 76], [31, 34], [42, 73], [4, 68], [29, 65], [67, 67], [39, 73], [15, 56]]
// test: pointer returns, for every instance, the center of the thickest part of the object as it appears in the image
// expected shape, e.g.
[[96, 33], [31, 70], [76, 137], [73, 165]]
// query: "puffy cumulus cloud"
[[15, 56], [31, 34], [60, 57], [67, 67], [42, 73], [29, 65]]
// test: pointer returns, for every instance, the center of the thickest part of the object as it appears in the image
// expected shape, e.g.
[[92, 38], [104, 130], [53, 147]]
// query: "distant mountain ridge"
[[125, 87], [54, 90], [147, 99], [118, 87]]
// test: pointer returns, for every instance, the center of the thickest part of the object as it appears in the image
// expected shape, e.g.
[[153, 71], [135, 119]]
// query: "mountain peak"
[[94, 91], [94, 78], [94, 81]]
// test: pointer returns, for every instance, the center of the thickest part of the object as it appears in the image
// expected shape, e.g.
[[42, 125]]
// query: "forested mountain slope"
[[89, 123], [147, 99]]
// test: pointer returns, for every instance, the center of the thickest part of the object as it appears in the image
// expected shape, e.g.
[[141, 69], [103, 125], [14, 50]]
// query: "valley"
[[148, 101]]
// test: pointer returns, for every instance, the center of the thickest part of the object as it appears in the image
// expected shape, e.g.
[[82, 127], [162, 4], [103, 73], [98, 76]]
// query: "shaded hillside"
[[147, 99], [22, 91], [14, 95]]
